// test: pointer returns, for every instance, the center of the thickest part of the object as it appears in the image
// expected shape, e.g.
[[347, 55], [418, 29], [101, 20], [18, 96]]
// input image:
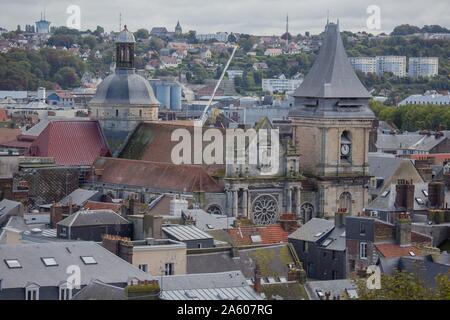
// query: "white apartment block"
[[219, 36], [394, 64], [380, 64], [280, 85], [364, 64], [423, 66]]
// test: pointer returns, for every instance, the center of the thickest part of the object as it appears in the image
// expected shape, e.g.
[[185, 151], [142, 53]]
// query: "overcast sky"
[[260, 17]]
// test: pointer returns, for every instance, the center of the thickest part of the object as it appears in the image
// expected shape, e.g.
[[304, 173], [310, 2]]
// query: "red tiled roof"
[[390, 250], [71, 142], [3, 115], [95, 205], [157, 175], [7, 134], [271, 234]]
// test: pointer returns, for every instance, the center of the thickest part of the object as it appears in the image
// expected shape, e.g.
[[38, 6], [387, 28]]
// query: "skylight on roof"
[[318, 234], [425, 193], [327, 242], [385, 193], [49, 262], [412, 254], [13, 263], [88, 260], [420, 201]]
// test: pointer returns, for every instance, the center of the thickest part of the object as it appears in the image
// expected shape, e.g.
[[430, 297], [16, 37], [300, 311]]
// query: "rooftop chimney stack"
[[257, 284], [339, 217], [403, 230], [404, 198]]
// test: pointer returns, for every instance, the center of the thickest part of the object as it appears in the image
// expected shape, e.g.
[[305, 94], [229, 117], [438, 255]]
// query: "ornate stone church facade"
[[326, 168], [323, 158]]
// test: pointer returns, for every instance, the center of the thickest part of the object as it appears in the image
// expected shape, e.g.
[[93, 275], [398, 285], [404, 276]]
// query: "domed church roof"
[[125, 36], [124, 87]]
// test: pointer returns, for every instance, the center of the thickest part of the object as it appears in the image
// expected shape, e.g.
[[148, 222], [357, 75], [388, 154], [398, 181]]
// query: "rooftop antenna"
[[120, 22], [328, 16]]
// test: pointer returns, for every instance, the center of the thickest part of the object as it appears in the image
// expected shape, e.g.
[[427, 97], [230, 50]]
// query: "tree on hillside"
[[142, 34], [405, 29]]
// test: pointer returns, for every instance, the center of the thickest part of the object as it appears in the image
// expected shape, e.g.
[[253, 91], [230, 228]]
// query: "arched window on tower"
[[346, 146], [140, 113], [345, 202], [117, 112]]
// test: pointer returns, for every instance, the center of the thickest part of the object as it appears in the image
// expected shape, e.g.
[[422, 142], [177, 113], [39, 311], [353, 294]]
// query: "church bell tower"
[[332, 121]]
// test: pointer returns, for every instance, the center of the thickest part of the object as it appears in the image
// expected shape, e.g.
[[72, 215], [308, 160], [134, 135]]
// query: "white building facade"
[[423, 67]]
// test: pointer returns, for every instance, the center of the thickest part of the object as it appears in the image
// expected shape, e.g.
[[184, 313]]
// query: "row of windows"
[[33, 293], [47, 261], [169, 268]]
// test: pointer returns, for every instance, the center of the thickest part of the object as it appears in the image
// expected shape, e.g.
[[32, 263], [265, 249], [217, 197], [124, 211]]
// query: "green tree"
[[67, 78], [404, 286], [142, 34]]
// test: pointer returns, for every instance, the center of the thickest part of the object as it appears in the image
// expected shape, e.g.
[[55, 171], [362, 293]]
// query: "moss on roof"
[[138, 142], [285, 291], [265, 257]]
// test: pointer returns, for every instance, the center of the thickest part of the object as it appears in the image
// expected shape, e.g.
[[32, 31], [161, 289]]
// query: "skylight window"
[[327, 242], [385, 193], [13, 263], [318, 234], [88, 260], [49, 262], [420, 201], [425, 193]]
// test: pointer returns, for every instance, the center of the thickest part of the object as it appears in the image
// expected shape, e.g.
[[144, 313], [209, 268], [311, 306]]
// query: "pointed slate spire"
[[331, 75]]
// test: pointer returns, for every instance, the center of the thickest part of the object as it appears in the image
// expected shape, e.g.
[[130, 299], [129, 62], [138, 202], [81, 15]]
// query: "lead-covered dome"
[[124, 87]]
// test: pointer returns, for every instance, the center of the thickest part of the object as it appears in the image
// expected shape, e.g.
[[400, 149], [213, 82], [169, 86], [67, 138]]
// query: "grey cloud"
[[248, 16]]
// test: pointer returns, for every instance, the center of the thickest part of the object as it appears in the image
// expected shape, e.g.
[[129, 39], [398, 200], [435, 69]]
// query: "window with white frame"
[[143, 267], [65, 293], [363, 250], [169, 269], [32, 293]]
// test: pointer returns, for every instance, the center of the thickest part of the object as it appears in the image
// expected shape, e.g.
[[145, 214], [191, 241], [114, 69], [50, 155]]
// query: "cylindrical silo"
[[163, 94], [175, 96]]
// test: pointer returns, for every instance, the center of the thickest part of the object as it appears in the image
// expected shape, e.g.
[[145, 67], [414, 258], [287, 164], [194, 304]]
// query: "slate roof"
[[205, 221], [71, 142], [8, 205], [273, 261], [212, 286], [157, 175], [423, 266], [388, 203], [313, 231], [79, 197], [97, 290], [185, 232], [335, 287], [93, 217], [331, 75], [409, 141], [124, 88], [109, 267]]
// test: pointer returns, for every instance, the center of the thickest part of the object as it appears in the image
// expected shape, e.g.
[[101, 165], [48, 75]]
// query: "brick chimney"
[[153, 226], [59, 212], [404, 198], [257, 284], [403, 230], [436, 194], [120, 246], [339, 217]]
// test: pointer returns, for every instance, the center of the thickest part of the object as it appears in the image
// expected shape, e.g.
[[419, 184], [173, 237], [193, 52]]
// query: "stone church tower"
[[123, 99], [332, 121]]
